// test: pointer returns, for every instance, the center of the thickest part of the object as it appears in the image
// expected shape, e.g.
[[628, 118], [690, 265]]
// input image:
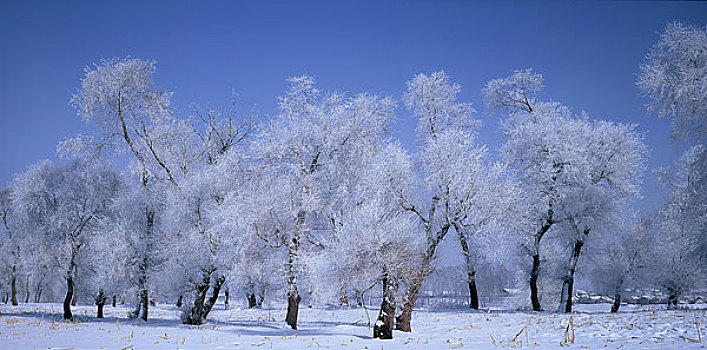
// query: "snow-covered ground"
[[39, 326]]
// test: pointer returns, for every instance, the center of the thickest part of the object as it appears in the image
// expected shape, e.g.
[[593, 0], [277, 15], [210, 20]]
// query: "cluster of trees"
[[321, 201]]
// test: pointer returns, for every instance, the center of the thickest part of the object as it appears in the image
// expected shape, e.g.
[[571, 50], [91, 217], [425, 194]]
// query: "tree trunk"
[[69, 296], [568, 280], [343, 298], [144, 307], [293, 300], [100, 302], [383, 328], [473, 295], [567, 290], [27, 290], [617, 302], [38, 296], [535, 270], [195, 315], [143, 301], [359, 298], [179, 301], [617, 296], [261, 297], [251, 301], [470, 270], [402, 321], [293, 297], [226, 297], [672, 300], [13, 280], [215, 290], [113, 303], [534, 275]]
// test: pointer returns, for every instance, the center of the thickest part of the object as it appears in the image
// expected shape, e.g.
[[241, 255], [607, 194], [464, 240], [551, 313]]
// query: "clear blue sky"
[[589, 53]]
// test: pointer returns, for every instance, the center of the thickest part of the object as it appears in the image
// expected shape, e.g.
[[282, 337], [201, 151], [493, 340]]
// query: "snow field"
[[39, 326]]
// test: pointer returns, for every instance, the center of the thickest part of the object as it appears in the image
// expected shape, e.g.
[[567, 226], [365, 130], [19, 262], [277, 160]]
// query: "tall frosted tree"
[[377, 243], [673, 77], [622, 258], [575, 172], [59, 204], [133, 116], [11, 240], [677, 262], [456, 176], [305, 145]]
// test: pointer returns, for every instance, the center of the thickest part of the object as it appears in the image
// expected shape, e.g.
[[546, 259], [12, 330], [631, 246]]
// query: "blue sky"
[[589, 53]]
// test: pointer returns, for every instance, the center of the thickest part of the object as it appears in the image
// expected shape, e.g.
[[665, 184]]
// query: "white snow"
[[39, 326]]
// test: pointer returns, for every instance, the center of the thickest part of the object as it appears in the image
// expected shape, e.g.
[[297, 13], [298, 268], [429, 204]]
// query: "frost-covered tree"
[[305, 145], [674, 78], [132, 115], [606, 171], [575, 172], [621, 259], [491, 203], [678, 258], [10, 239], [59, 203], [200, 249], [376, 242], [454, 173]]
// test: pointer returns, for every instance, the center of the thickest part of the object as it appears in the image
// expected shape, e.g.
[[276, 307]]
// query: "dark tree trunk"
[[13, 281], [672, 300], [144, 307], [617, 302], [402, 321], [293, 300], [143, 298], [27, 290], [226, 297], [38, 296], [567, 291], [100, 300], [470, 270], [383, 328], [534, 275], [179, 301], [251, 301], [195, 314], [215, 290], [473, 295], [535, 270], [113, 303], [344, 299], [99, 313], [568, 281], [293, 297], [261, 297], [69, 296]]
